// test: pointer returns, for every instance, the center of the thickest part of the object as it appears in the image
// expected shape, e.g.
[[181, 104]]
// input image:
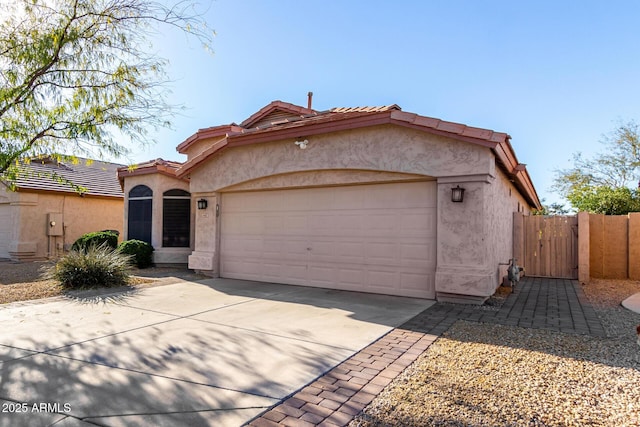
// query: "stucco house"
[[357, 199], [45, 214]]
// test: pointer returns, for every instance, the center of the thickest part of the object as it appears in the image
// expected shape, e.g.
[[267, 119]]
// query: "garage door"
[[368, 238], [5, 230]]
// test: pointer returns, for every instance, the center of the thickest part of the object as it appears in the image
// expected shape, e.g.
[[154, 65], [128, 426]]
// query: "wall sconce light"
[[217, 209], [202, 204], [457, 194], [302, 144]]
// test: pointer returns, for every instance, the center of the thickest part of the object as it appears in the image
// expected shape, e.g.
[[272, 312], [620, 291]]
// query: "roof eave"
[[496, 141]]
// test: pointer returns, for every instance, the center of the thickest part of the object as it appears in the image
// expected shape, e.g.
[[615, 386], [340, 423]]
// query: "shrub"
[[141, 252], [97, 266], [96, 238]]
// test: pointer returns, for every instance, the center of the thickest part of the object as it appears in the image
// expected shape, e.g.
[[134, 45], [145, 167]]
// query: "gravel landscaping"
[[493, 375], [22, 281]]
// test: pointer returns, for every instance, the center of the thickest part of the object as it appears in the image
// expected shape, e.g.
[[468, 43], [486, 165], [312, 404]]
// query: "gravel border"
[[494, 375]]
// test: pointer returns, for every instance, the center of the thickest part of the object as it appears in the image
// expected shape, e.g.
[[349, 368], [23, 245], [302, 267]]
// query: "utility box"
[[54, 224]]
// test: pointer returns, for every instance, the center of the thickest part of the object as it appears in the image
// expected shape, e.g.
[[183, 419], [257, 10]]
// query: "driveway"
[[212, 352]]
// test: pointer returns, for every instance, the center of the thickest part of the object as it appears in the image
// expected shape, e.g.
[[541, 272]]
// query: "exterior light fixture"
[[202, 204], [302, 144], [457, 194]]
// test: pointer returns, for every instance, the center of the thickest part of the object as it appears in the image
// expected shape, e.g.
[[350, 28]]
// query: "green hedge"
[[96, 238], [139, 250]]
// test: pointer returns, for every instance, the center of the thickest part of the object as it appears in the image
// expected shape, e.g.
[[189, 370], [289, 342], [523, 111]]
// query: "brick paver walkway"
[[336, 397]]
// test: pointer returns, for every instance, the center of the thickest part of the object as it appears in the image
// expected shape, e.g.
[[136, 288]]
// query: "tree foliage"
[[551, 209], [606, 183], [77, 75]]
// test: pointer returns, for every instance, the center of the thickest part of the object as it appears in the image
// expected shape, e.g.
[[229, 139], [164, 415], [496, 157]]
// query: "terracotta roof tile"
[[364, 109], [451, 127], [477, 133], [273, 106], [429, 122]]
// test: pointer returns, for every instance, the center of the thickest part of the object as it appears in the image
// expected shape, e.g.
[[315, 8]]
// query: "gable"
[[276, 111], [274, 117]]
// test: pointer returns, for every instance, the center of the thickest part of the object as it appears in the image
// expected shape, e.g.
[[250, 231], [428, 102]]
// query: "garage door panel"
[[372, 238], [416, 252], [419, 223]]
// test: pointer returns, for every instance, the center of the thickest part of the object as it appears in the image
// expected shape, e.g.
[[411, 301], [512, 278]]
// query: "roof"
[[161, 166], [280, 120], [90, 177]]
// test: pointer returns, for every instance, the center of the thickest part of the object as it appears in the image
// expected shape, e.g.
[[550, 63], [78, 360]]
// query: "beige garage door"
[[368, 238], [5, 230]]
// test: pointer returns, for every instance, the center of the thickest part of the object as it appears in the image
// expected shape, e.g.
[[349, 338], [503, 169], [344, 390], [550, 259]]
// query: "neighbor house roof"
[[161, 166], [281, 120], [92, 177]]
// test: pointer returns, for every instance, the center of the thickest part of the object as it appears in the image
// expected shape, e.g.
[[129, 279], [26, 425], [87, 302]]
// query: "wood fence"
[[614, 246], [548, 245], [582, 246]]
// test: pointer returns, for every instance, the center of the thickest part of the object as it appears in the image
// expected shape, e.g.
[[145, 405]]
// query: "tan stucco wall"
[[379, 148], [476, 236], [80, 215], [159, 183], [505, 201]]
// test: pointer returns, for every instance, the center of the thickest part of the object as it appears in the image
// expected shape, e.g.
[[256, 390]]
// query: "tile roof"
[[280, 120], [365, 109], [47, 174], [164, 167]]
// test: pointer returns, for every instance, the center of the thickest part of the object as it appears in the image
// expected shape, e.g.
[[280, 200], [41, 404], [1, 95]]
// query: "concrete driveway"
[[209, 353]]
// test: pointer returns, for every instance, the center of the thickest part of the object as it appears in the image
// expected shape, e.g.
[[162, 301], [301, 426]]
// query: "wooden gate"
[[549, 246]]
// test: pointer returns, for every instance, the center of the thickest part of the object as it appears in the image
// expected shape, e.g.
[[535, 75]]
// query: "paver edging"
[[338, 395]]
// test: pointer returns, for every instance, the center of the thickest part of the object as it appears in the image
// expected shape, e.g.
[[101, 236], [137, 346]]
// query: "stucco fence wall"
[[609, 246]]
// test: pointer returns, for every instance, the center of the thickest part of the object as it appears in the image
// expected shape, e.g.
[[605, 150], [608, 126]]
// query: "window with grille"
[[176, 219]]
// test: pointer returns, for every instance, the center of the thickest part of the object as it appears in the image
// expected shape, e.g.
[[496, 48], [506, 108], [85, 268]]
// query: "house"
[[46, 214], [357, 199]]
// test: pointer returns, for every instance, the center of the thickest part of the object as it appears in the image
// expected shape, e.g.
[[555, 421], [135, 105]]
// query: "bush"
[[97, 266], [141, 252], [96, 238]]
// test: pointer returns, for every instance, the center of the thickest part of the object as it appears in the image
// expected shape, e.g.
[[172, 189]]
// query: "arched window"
[[176, 219], [140, 211]]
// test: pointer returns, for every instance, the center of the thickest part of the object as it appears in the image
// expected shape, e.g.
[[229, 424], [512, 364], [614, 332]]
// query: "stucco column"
[[464, 273], [204, 257]]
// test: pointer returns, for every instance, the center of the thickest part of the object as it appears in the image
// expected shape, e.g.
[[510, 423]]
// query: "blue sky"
[[555, 75]]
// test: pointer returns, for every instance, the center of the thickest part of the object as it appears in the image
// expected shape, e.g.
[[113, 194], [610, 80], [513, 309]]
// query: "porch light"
[[202, 204], [457, 194]]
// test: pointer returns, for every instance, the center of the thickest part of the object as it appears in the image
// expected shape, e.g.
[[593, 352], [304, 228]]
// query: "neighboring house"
[[350, 198], [44, 216]]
